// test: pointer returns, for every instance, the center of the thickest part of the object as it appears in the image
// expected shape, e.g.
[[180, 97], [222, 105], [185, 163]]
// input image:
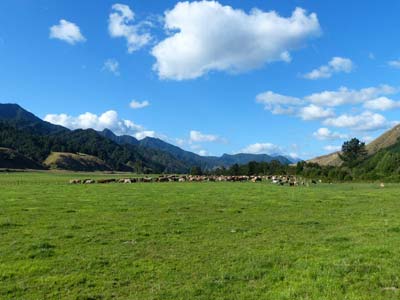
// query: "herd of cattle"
[[279, 180]]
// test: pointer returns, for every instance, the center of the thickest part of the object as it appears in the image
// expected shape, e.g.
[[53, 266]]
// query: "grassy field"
[[196, 240]]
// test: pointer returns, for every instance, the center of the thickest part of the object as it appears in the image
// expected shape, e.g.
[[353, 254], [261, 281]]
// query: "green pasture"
[[181, 241]]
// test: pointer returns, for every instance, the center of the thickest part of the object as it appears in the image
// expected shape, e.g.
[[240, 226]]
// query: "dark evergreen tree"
[[353, 152]]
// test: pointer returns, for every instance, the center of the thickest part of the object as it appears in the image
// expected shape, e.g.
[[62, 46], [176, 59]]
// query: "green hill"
[[36, 139], [11, 159], [386, 140], [75, 162]]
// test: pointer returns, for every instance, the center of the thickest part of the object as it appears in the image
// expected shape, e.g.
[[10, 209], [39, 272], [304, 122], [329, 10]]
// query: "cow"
[[89, 181], [75, 181], [105, 180]]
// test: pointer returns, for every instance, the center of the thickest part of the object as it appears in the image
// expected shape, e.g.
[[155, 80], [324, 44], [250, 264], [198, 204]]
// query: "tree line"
[[356, 165]]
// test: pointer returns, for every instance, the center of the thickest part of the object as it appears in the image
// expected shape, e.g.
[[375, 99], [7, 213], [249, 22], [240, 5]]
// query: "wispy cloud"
[[335, 65], [394, 63], [121, 25], [112, 65], [139, 104]]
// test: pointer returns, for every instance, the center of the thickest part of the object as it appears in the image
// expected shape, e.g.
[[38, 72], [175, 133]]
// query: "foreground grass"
[[196, 240]]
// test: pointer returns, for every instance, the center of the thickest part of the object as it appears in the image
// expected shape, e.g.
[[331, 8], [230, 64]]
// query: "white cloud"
[[120, 24], [367, 121], [112, 65], [335, 65], [394, 63], [314, 112], [66, 31], [198, 137], [332, 148], [207, 36], [346, 96], [318, 106], [108, 120], [325, 134], [278, 104], [367, 139], [294, 156], [259, 148], [179, 142], [137, 104], [281, 104], [146, 133], [203, 153], [381, 103]]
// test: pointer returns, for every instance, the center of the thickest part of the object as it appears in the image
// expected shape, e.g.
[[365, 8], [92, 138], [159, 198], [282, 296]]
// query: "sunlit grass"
[[196, 240]]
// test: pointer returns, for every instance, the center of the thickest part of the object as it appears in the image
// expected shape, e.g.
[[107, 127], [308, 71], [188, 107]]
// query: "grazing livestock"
[[89, 181], [282, 180], [106, 180], [147, 179], [75, 181]]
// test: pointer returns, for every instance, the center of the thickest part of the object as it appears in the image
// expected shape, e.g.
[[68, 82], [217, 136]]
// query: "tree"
[[353, 152], [300, 167], [196, 170], [234, 170], [252, 168]]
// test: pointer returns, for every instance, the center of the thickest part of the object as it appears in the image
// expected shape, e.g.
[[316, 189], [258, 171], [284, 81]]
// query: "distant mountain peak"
[[23, 119]]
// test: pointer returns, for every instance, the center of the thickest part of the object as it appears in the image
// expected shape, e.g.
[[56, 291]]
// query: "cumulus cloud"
[[261, 148], [137, 104], [198, 137], [314, 112], [203, 152], [112, 65], [146, 133], [332, 148], [207, 36], [347, 96], [121, 25], [281, 104], [319, 106], [107, 120], [67, 32], [381, 103], [326, 134], [335, 65], [366, 121], [278, 104]]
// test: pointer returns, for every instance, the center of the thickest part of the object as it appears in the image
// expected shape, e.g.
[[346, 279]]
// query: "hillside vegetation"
[[38, 146], [10, 159], [36, 139], [75, 162], [386, 140]]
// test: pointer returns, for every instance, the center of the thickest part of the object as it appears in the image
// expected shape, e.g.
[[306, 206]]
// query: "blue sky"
[[211, 77]]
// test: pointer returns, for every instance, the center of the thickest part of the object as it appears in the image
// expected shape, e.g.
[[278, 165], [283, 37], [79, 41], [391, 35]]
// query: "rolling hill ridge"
[[38, 140], [384, 141]]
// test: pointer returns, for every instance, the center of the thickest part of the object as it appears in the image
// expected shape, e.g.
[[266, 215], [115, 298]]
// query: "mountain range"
[[29, 142]]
